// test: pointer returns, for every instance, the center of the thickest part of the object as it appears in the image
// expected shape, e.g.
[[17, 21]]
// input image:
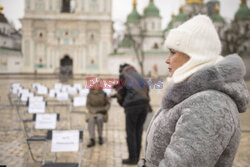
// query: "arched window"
[[68, 6], [156, 46], [41, 35], [28, 4]]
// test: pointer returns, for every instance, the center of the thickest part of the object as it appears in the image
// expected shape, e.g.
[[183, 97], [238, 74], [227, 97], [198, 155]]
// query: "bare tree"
[[118, 35], [137, 44]]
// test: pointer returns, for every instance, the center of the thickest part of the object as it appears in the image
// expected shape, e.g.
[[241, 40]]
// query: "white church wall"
[[116, 60], [159, 60], [151, 42], [150, 60], [10, 61], [84, 35], [14, 63], [152, 23], [6, 42]]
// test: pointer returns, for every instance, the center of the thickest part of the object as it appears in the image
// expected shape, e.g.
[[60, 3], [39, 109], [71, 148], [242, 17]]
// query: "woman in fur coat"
[[198, 122]]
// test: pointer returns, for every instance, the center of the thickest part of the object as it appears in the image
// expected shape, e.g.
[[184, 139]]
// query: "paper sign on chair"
[[65, 141], [80, 101], [45, 121], [36, 107]]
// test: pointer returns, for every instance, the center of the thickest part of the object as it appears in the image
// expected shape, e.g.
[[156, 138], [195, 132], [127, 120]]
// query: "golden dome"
[[243, 2], [217, 8], [134, 4], [194, 1], [181, 9], [1, 9], [173, 15]]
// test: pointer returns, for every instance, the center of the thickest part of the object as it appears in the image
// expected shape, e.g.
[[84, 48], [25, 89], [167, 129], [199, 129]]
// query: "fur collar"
[[226, 76]]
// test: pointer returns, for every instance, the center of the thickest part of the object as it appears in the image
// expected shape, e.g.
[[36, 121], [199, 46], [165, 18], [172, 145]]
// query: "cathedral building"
[[77, 35], [10, 46], [145, 30], [67, 33]]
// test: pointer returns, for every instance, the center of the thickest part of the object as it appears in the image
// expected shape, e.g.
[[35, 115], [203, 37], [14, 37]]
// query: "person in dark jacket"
[[133, 96], [98, 106]]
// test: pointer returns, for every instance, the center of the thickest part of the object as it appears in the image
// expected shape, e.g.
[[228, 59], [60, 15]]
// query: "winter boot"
[[100, 140], [129, 161], [91, 143]]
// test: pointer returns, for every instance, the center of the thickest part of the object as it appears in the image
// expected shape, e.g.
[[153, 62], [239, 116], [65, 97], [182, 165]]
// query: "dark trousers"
[[135, 118]]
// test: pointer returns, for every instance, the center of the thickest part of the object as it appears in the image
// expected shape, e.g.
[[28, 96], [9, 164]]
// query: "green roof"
[[216, 17], [133, 16], [151, 10], [170, 25], [243, 13], [126, 42], [181, 17], [10, 51]]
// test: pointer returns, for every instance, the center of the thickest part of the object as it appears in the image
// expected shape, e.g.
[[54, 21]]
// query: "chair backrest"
[[49, 135], [57, 117], [65, 141], [79, 101], [42, 90], [36, 106], [46, 121], [62, 96]]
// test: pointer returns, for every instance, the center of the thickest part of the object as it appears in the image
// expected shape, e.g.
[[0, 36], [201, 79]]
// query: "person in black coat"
[[132, 94]]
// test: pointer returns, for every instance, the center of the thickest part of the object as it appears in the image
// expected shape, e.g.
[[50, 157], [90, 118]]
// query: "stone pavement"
[[13, 147]]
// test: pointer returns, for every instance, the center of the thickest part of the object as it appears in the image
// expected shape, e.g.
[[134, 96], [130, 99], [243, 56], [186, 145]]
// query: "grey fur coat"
[[198, 123]]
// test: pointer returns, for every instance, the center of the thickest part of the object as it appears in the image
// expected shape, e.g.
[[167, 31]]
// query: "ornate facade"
[[145, 30], [10, 46], [76, 33]]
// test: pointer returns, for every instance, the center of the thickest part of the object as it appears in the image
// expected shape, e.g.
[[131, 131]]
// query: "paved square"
[[13, 148]]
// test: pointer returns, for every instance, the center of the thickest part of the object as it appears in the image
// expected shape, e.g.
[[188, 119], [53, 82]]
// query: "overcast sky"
[[14, 9]]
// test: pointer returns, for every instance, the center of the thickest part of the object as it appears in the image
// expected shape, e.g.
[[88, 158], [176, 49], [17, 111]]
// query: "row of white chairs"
[[60, 92], [61, 140]]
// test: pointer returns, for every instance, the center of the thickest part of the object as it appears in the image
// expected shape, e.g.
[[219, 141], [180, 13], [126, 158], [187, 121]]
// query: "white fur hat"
[[197, 38]]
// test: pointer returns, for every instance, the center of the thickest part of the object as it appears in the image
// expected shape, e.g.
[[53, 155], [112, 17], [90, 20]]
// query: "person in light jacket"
[[98, 106], [198, 122]]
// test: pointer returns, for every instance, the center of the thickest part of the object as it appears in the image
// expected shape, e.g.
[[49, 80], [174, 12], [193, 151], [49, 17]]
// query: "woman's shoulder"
[[209, 97], [210, 102]]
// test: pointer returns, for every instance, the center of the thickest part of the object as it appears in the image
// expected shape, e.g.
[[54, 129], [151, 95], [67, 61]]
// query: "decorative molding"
[[11, 52], [40, 5]]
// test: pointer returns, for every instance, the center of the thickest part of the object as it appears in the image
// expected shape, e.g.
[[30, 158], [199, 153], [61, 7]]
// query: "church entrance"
[[66, 65]]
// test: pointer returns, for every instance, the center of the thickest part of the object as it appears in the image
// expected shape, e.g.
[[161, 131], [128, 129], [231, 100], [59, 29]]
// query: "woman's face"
[[175, 60]]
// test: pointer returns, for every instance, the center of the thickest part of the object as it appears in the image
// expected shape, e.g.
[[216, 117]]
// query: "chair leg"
[[45, 153], [106, 131], [69, 116], [80, 156], [26, 159], [55, 157]]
